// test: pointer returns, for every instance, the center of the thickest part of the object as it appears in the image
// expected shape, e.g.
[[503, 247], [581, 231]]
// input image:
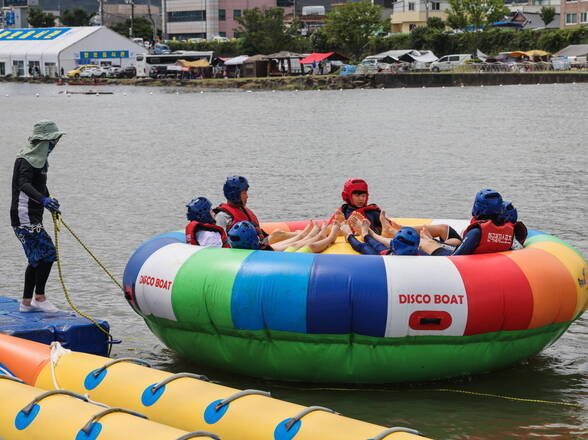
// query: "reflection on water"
[[131, 160]]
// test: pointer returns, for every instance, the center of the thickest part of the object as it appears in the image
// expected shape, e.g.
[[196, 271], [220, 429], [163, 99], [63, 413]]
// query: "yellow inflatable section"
[[185, 401], [35, 414]]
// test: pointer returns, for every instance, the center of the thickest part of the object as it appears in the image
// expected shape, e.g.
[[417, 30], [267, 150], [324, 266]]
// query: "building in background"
[[14, 13], [118, 13], [573, 14], [206, 19], [54, 51], [408, 14]]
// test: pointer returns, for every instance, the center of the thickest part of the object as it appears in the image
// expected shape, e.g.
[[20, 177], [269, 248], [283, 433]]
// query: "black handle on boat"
[[12, 378], [158, 385], [199, 434], [394, 429], [305, 411], [238, 395], [88, 426], [97, 372], [27, 409]]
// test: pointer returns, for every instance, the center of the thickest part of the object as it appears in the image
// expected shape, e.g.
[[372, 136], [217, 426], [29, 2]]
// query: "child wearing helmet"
[[235, 209], [487, 232], [243, 235], [509, 215], [355, 195], [405, 241], [201, 229]]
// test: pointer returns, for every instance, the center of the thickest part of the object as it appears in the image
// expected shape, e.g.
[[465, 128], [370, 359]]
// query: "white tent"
[[423, 56], [573, 50], [50, 51], [237, 61]]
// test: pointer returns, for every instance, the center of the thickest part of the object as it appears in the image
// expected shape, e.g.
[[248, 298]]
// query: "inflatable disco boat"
[[342, 317]]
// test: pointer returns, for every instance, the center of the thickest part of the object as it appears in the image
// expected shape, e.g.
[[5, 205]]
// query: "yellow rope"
[[56, 219], [445, 390]]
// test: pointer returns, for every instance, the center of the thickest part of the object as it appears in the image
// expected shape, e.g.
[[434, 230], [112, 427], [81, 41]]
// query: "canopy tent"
[[197, 63], [236, 61], [316, 57], [408, 55], [284, 55], [256, 58], [573, 50], [529, 53], [426, 56]]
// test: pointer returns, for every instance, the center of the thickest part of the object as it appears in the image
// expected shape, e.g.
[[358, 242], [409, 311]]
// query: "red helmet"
[[354, 185]]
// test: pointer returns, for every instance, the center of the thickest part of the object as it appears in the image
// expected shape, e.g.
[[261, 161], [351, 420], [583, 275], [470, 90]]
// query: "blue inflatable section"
[[270, 292], [364, 282], [71, 331]]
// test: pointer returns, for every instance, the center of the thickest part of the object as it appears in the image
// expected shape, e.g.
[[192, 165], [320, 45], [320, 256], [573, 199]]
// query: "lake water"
[[131, 160]]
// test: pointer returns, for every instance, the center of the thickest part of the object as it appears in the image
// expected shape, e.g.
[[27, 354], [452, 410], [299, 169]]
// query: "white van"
[[449, 62]]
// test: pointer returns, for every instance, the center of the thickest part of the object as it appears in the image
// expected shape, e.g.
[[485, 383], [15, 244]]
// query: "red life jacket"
[[363, 211], [240, 214], [194, 226], [494, 238]]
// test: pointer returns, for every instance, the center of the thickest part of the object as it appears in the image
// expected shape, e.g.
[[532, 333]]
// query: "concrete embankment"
[[334, 82]]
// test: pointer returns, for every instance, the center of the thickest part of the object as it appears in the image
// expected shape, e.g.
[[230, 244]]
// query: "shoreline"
[[335, 82]]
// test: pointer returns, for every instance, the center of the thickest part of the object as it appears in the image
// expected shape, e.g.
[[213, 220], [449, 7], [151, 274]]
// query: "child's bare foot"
[[346, 230]]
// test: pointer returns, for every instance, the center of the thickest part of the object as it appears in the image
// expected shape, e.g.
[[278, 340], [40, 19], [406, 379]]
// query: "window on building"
[[222, 34], [51, 70], [571, 18], [2, 69], [18, 68], [435, 6], [179, 16], [571, 1], [583, 17], [412, 26], [411, 6], [237, 34], [34, 68], [236, 13], [222, 14]]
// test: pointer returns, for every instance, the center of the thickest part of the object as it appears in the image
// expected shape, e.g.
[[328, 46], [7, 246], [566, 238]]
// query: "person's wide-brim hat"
[[46, 131]]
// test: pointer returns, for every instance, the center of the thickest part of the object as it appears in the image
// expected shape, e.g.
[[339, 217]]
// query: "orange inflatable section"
[[546, 275], [25, 359]]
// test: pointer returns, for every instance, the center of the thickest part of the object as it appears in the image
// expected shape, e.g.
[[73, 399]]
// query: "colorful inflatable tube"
[[351, 318], [185, 401]]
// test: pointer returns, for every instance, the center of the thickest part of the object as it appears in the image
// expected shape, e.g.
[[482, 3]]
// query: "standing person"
[[235, 209], [30, 196]]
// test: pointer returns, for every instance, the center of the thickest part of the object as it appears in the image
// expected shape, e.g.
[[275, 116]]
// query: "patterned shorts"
[[36, 243]]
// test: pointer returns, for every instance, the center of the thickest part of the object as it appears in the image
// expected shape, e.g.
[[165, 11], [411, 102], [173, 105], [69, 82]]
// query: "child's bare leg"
[[427, 243], [279, 235], [298, 235], [389, 228], [321, 245]]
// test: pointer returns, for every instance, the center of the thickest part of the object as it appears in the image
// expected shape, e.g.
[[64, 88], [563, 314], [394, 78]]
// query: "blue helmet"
[[199, 210], [243, 236], [406, 241], [233, 188], [488, 203], [509, 213]]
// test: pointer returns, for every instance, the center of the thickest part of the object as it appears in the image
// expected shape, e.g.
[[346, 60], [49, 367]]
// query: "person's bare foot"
[[338, 216], [354, 222], [346, 230], [365, 227]]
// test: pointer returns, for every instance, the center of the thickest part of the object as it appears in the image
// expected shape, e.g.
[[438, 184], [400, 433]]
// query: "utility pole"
[[132, 17], [164, 19], [101, 12], [154, 36]]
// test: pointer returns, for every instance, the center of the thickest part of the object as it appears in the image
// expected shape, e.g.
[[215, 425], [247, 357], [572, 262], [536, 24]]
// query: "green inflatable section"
[[353, 358], [547, 237]]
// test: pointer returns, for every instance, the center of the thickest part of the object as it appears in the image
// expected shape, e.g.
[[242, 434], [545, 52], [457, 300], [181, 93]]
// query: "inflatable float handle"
[[97, 372], [305, 411], [199, 434], [88, 426], [13, 378], [394, 429], [238, 395], [28, 408], [167, 380]]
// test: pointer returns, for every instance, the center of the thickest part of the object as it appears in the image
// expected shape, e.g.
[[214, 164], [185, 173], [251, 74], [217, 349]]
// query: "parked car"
[[129, 72], [92, 72], [76, 73], [220, 39], [115, 71], [161, 49], [449, 62]]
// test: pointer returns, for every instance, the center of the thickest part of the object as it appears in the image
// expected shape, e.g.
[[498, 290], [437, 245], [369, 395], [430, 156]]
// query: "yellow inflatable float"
[[184, 401]]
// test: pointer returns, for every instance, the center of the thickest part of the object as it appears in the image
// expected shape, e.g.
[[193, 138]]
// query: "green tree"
[[547, 14], [264, 31], [38, 18], [76, 17], [142, 28], [436, 23], [351, 26], [477, 13]]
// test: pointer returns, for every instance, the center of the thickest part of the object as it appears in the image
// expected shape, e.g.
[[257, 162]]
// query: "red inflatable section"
[[25, 359], [502, 301]]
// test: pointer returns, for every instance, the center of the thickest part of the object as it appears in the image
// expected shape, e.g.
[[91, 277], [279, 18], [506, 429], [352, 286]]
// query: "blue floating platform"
[[72, 331]]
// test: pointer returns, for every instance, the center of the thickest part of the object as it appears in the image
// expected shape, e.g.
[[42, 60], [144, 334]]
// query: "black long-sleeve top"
[[29, 186]]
